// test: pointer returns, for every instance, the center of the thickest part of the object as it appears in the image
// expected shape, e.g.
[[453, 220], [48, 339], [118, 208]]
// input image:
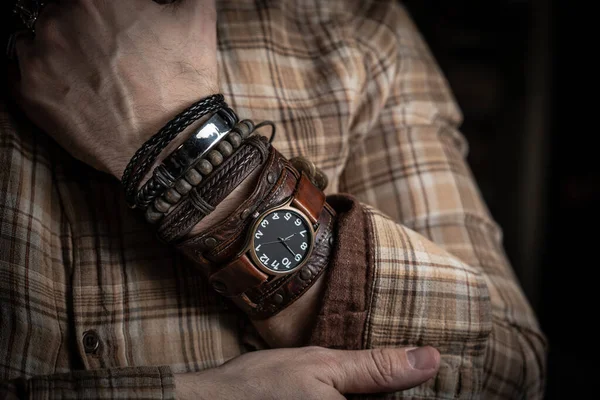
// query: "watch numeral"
[[298, 257], [304, 246], [275, 215], [258, 234], [258, 247], [275, 264], [287, 216], [264, 223], [302, 233], [298, 222], [264, 259], [286, 262]]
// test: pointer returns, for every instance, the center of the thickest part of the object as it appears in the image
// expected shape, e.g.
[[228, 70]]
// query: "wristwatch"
[[273, 247]]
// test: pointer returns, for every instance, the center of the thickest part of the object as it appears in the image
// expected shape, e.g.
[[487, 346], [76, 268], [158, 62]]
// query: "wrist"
[[117, 164], [292, 326], [195, 385]]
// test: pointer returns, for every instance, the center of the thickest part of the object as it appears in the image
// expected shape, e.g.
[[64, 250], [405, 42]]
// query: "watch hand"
[[287, 247], [275, 241], [288, 238]]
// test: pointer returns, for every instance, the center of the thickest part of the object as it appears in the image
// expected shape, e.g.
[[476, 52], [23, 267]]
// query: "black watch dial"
[[282, 240]]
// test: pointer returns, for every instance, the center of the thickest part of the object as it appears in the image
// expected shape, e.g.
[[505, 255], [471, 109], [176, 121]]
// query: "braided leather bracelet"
[[214, 249], [202, 199], [164, 203], [143, 159], [198, 144]]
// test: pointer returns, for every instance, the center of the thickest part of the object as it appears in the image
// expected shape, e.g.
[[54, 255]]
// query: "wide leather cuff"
[[217, 251]]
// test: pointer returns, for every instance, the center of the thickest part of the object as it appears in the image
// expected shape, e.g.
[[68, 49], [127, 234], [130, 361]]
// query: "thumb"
[[381, 370]]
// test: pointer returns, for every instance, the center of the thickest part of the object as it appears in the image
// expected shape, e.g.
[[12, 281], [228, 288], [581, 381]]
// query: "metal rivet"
[[305, 274], [215, 158], [219, 286], [205, 167], [246, 213], [91, 342], [183, 187], [278, 299], [331, 240], [193, 177], [172, 196], [225, 148], [271, 177], [210, 242]]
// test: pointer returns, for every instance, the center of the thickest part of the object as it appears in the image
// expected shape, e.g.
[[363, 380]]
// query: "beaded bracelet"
[[202, 169], [199, 143], [203, 199], [143, 159]]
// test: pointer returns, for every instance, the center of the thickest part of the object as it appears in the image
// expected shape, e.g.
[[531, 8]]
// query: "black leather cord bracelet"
[[201, 171], [143, 159], [199, 144]]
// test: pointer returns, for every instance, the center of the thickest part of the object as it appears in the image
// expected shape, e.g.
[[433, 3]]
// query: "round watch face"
[[282, 240]]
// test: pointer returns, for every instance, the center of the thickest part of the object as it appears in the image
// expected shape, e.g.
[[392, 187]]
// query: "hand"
[[101, 77], [310, 373]]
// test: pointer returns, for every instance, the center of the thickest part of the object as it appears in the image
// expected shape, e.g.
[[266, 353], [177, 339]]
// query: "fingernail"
[[421, 358]]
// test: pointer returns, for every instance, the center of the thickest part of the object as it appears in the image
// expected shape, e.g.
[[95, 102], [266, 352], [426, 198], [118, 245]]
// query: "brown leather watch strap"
[[309, 199], [232, 280], [265, 299], [220, 250], [237, 277], [219, 244]]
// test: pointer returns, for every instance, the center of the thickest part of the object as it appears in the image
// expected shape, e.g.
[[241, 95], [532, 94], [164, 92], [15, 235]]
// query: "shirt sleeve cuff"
[[341, 319], [122, 383]]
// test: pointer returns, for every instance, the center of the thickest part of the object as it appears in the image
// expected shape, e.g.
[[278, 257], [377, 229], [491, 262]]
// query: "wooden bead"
[[193, 177], [235, 139], [215, 158], [183, 187], [162, 205], [225, 148], [172, 196], [152, 215], [205, 167], [244, 128]]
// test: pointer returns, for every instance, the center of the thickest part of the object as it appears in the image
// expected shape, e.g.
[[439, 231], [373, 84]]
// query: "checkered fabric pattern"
[[352, 86]]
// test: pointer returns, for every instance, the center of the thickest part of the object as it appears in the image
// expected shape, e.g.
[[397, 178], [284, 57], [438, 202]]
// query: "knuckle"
[[319, 354], [384, 367]]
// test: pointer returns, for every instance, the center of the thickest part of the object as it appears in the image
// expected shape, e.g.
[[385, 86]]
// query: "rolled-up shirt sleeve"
[[122, 383], [419, 259]]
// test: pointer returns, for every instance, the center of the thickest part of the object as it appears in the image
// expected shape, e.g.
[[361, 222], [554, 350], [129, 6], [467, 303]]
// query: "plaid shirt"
[[352, 86]]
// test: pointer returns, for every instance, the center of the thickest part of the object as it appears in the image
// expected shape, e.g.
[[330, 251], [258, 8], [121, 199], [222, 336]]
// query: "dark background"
[[523, 74]]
